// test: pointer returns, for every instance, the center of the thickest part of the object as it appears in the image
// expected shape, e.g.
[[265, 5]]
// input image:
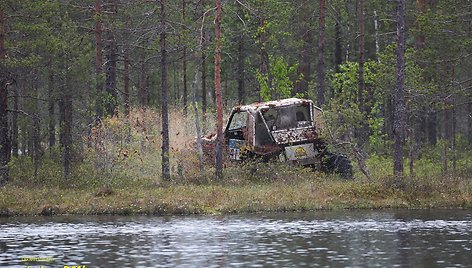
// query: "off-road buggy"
[[287, 130]]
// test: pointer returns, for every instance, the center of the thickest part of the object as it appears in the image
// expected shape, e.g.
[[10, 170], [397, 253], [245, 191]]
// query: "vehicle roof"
[[257, 106]]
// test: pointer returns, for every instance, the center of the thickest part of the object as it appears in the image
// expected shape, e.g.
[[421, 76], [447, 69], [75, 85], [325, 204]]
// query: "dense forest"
[[97, 86]]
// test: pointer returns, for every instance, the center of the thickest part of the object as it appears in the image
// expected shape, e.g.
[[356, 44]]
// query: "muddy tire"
[[338, 164]]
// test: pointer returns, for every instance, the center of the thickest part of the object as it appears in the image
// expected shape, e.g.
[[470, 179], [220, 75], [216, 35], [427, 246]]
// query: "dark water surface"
[[391, 238]]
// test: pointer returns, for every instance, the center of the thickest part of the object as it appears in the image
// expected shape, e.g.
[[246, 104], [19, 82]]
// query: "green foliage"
[[343, 111], [380, 80], [378, 138], [276, 84]]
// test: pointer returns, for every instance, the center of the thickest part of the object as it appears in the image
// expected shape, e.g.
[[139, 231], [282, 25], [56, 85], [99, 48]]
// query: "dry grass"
[[269, 188]]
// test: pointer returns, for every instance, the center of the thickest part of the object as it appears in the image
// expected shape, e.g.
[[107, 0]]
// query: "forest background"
[[87, 87]]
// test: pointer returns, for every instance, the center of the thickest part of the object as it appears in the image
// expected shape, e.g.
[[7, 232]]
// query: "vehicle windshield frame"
[[270, 127], [233, 113]]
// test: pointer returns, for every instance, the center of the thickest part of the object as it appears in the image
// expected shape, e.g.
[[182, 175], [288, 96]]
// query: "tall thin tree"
[[14, 124], [241, 78], [184, 60], [338, 57], [111, 62], [126, 79], [143, 94], [321, 46], [66, 99], [469, 105], [361, 82], [400, 108], [98, 58], [263, 56], [219, 104], [164, 89], [203, 45], [304, 56], [4, 141], [51, 108]]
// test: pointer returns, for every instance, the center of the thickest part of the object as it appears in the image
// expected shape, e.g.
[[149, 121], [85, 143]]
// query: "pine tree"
[[219, 104], [400, 109], [164, 99], [4, 141]]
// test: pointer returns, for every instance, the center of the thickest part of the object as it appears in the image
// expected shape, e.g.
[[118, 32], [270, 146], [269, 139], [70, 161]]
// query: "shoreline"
[[224, 199]]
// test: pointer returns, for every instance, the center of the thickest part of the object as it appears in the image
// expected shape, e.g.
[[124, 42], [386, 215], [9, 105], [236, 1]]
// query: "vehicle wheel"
[[343, 167], [338, 164]]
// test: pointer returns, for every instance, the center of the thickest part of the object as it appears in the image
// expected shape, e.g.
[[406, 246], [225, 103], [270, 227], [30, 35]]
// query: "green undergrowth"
[[252, 187]]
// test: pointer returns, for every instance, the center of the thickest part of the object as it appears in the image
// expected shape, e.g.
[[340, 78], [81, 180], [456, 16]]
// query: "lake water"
[[385, 238]]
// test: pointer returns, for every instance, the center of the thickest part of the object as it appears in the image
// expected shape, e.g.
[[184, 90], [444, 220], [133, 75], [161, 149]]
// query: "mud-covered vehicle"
[[287, 130]]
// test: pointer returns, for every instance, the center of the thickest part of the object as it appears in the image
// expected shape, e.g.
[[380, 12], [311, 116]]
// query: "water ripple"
[[356, 239]]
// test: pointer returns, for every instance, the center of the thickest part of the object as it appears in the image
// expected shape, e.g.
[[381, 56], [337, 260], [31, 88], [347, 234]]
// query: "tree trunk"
[[60, 104], [389, 115], [51, 121], [67, 128], [362, 131], [241, 78], [30, 141], [470, 20], [304, 57], [184, 62], [197, 122], [400, 110], [219, 105], [98, 58], [175, 84], [447, 125], [469, 122], [35, 133], [14, 124], [445, 158], [376, 27], [225, 90], [263, 57], [4, 142], [348, 46], [36, 144], [453, 142], [411, 151], [420, 38], [110, 84], [203, 43], [126, 82], [204, 91], [164, 99], [24, 142], [361, 82], [338, 55], [321, 45], [432, 128], [143, 87]]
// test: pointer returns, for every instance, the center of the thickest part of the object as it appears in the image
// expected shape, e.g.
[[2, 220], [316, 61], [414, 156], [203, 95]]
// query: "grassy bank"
[[255, 188]]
